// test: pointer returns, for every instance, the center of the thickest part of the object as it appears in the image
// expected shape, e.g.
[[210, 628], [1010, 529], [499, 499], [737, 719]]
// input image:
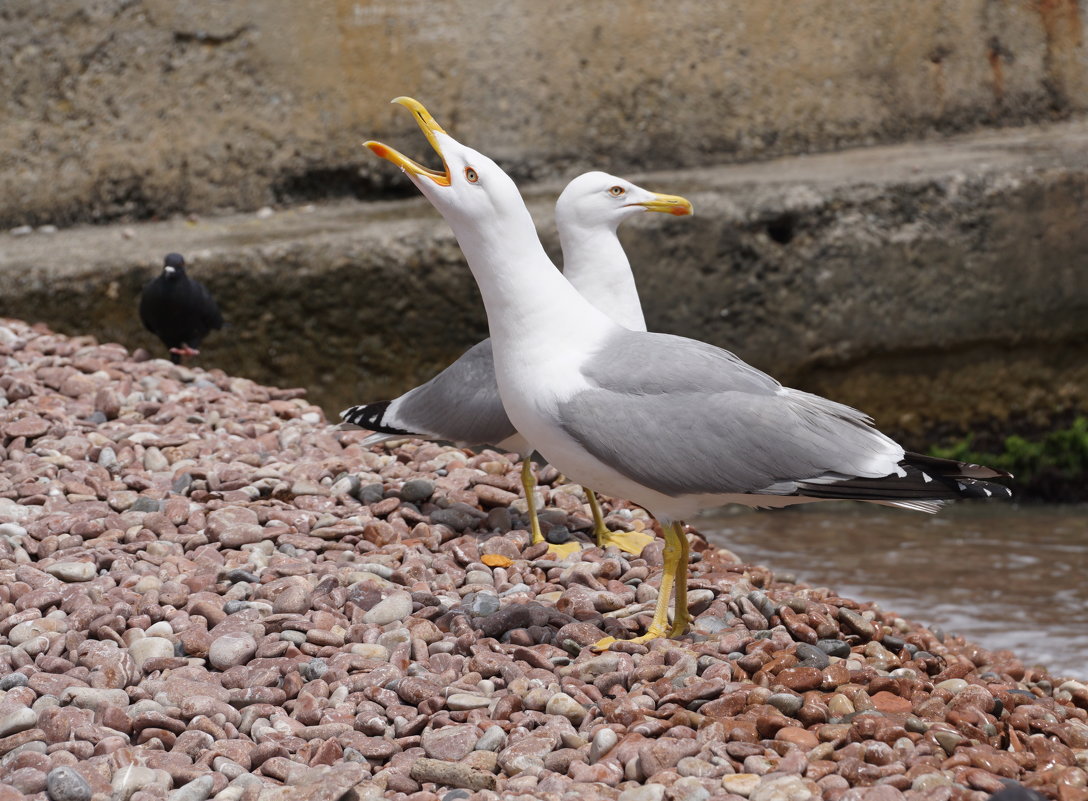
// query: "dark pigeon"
[[178, 310]]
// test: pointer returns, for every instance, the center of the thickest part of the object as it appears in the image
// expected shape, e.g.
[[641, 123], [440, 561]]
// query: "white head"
[[603, 201]]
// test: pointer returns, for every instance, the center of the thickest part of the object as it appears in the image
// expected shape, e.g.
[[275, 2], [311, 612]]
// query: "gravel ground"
[[207, 592]]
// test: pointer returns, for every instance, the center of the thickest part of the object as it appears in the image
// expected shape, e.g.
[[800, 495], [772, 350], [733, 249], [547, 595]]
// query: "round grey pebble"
[[454, 518], [145, 504], [812, 656], [559, 535], [314, 669], [456, 795], [893, 644], [371, 493], [235, 605], [764, 604], [786, 703], [13, 680], [482, 603], [64, 783], [239, 574], [417, 490], [492, 739], [834, 647]]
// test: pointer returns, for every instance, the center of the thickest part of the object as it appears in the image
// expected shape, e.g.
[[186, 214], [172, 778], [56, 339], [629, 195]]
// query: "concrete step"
[[933, 284]]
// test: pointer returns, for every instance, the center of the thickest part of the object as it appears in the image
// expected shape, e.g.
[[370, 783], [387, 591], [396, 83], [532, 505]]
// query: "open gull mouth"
[[429, 127]]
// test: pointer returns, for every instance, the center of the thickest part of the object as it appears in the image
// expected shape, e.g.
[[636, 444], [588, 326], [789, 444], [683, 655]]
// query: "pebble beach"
[[207, 591]]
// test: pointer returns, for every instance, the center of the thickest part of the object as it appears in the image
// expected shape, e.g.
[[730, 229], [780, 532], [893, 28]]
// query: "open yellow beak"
[[430, 128], [670, 204]]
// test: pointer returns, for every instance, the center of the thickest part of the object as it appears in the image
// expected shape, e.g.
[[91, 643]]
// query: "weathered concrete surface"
[[141, 108], [934, 285]]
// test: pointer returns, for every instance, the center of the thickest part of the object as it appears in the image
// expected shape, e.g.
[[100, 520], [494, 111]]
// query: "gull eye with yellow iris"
[[471, 175], [617, 191]]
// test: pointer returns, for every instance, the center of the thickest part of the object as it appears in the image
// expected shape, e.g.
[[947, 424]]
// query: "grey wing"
[[460, 404], [651, 364], [701, 421]]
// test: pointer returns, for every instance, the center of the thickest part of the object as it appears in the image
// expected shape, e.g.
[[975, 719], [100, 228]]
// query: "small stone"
[[838, 648], [451, 743], [65, 783], [492, 739], [813, 656], [840, 706], [456, 519], [801, 679], [30, 426], [954, 686], [857, 623], [231, 650], [72, 571], [459, 702], [196, 790], [651, 791], [348, 485], [20, 719], [150, 648], [370, 651], [928, 782], [451, 774], [396, 607], [949, 740], [603, 742], [482, 603], [13, 680], [781, 788], [417, 490], [741, 783], [563, 704], [786, 703], [889, 702], [131, 778]]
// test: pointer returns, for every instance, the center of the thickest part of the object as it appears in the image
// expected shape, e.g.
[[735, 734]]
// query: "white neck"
[[531, 308], [595, 263]]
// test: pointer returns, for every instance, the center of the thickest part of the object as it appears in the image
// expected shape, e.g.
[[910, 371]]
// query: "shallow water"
[[1002, 576]]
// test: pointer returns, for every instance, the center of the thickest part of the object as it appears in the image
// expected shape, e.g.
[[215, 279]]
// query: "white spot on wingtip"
[[961, 486], [899, 471], [926, 477], [988, 493]]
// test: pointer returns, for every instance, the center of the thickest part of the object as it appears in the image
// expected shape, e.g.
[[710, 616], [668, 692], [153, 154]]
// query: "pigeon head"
[[173, 266]]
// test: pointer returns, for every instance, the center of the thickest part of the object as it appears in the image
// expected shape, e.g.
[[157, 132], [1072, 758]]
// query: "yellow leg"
[[674, 550], [680, 615], [528, 484], [631, 541]]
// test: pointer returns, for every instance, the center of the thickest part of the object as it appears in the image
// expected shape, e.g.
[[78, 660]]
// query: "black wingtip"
[[912, 485], [952, 468], [370, 416]]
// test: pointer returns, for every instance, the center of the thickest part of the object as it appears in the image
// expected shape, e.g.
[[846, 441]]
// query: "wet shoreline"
[[1004, 575]]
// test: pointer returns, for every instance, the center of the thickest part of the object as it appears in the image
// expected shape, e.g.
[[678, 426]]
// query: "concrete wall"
[[141, 108]]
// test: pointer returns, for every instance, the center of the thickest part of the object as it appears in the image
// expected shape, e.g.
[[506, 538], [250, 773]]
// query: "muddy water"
[[1002, 576]]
